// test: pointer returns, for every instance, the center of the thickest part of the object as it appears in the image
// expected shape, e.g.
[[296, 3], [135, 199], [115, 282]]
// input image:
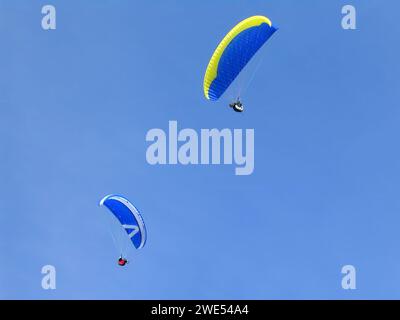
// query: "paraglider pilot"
[[122, 261], [237, 106]]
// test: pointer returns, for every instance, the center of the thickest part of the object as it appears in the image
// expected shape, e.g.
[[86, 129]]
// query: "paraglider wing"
[[129, 217], [234, 52]]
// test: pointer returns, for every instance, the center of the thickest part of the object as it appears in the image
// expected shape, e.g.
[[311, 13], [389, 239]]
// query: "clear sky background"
[[77, 102]]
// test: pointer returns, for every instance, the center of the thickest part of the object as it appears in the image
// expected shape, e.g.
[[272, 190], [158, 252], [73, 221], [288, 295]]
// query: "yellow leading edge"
[[212, 68]]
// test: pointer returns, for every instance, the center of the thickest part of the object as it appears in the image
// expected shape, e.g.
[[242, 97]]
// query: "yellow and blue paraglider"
[[233, 53]]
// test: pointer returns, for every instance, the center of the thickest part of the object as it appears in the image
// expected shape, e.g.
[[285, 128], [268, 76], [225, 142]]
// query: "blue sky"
[[77, 102]]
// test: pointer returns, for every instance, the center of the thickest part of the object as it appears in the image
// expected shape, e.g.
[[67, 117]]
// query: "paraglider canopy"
[[129, 218], [234, 52]]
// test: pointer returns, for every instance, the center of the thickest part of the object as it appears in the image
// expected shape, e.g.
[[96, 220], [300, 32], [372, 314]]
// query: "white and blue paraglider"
[[130, 224]]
